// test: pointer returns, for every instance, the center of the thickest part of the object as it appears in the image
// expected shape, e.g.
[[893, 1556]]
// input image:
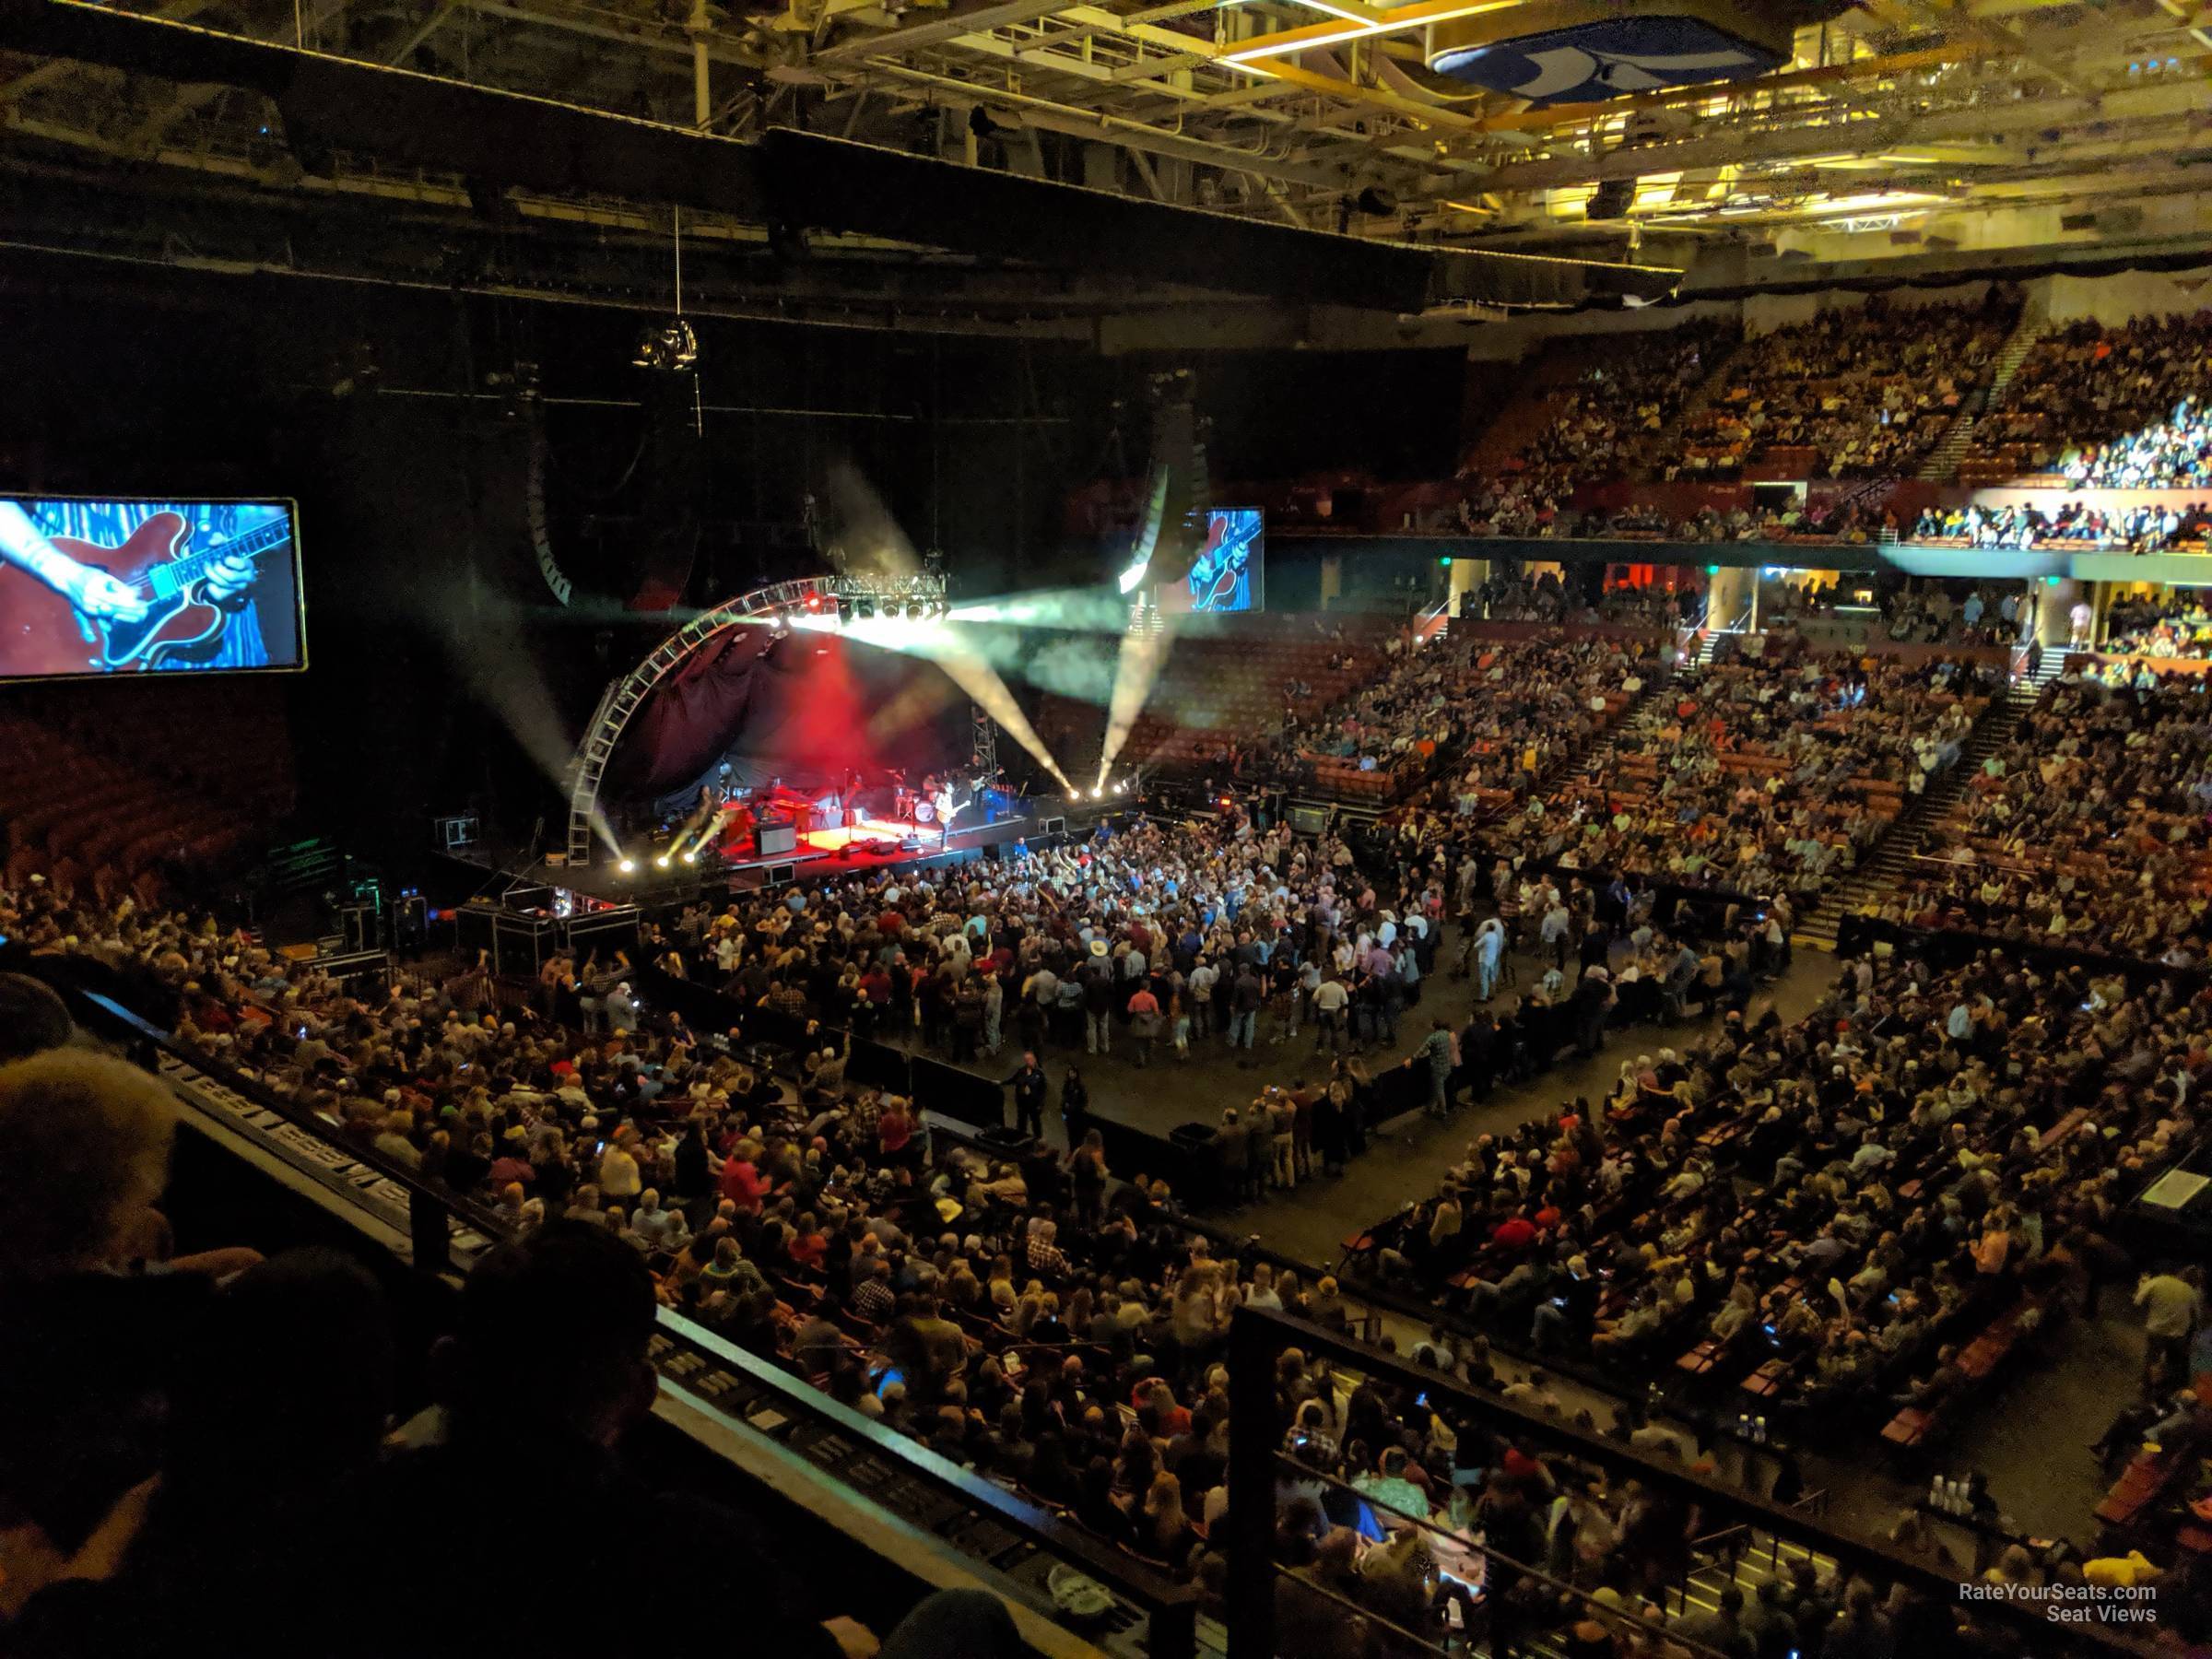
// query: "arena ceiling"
[[1883, 122]]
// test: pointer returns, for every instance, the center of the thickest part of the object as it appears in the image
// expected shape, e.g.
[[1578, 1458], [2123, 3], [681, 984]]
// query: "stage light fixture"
[[914, 610], [670, 346], [629, 867], [660, 863], [691, 857], [863, 609], [1098, 794]]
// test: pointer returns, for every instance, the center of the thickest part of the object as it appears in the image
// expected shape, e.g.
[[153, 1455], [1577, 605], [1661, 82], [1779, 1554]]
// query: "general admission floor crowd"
[[1876, 1210]]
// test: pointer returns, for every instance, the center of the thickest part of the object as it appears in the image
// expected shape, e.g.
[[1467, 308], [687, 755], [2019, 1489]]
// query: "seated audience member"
[[545, 1375]]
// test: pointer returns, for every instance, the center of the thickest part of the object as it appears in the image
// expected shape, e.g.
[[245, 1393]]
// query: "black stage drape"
[[693, 715]]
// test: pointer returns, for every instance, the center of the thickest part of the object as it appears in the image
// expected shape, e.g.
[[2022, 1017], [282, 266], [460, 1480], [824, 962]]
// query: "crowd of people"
[[1843, 1203], [2107, 407], [1870, 391], [2140, 528], [1516, 509], [1930, 611], [2086, 828], [219, 1450], [1613, 410], [1766, 776], [2175, 623], [1029, 1320], [1503, 712]]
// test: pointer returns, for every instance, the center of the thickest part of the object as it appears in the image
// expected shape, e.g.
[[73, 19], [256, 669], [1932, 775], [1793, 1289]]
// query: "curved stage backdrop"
[[801, 706]]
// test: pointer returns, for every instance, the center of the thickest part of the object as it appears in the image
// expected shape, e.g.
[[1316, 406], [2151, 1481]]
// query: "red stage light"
[[814, 602]]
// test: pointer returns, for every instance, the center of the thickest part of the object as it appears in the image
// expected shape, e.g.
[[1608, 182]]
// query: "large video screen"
[[91, 587], [1230, 571]]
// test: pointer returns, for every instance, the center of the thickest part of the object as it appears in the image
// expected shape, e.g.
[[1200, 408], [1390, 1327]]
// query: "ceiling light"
[[1289, 43], [1278, 46]]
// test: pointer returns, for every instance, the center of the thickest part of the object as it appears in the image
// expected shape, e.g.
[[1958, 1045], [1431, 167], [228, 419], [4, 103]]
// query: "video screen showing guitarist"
[[123, 587]]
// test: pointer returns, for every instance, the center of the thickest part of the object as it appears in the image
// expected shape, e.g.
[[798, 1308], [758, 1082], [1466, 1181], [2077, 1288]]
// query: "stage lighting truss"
[[918, 598], [819, 603], [587, 768]]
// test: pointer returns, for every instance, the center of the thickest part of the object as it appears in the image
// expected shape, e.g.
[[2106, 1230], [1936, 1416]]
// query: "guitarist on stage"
[[949, 807], [94, 592]]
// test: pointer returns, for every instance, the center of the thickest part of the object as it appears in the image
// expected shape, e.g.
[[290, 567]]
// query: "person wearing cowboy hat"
[[1097, 978]]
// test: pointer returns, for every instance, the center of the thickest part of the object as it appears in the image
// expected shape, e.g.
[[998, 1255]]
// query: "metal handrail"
[[1525, 1569], [1258, 1339], [435, 1208], [1171, 1606]]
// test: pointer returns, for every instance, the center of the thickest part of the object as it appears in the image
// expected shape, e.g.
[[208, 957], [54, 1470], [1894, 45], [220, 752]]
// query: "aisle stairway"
[[2030, 687], [1892, 854], [1942, 464], [1591, 761], [1748, 1558], [1595, 764], [1667, 441]]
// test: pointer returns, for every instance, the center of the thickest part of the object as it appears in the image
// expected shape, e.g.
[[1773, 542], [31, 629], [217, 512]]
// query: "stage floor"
[[874, 837], [871, 846]]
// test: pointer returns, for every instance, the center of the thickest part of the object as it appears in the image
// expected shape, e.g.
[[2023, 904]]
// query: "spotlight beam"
[[1136, 671], [882, 547]]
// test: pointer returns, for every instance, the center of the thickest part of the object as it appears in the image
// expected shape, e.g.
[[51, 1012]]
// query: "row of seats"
[[111, 793]]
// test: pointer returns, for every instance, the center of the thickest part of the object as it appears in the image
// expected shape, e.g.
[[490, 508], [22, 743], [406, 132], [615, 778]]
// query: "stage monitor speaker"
[[1052, 826], [1310, 820], [603, 930], [773, 839], [778, 875], [350, 967]]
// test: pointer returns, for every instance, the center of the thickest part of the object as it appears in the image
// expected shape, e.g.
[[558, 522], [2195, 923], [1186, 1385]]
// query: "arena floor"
[[2045, 1483]]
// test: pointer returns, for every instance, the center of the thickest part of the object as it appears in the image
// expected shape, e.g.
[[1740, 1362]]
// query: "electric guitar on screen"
[[178, 617]]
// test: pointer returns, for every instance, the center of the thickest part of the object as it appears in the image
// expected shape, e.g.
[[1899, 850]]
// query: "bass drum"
[[926, 812]]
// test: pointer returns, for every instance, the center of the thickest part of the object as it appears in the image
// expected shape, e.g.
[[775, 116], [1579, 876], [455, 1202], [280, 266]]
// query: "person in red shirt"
[[1515, 1233], [741, 1181], [895, 1131], [1144, 1022], [807, 1246]]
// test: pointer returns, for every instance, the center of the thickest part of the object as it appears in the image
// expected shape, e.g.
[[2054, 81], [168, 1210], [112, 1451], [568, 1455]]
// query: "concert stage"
[[863, 849]]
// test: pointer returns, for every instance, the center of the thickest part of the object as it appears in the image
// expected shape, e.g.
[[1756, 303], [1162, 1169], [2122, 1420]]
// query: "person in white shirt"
[[618, 1180], [652, 1223]]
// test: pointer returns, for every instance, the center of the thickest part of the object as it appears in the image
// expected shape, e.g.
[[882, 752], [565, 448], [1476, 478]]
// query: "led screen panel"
[[96, 586], [1230, 571]]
